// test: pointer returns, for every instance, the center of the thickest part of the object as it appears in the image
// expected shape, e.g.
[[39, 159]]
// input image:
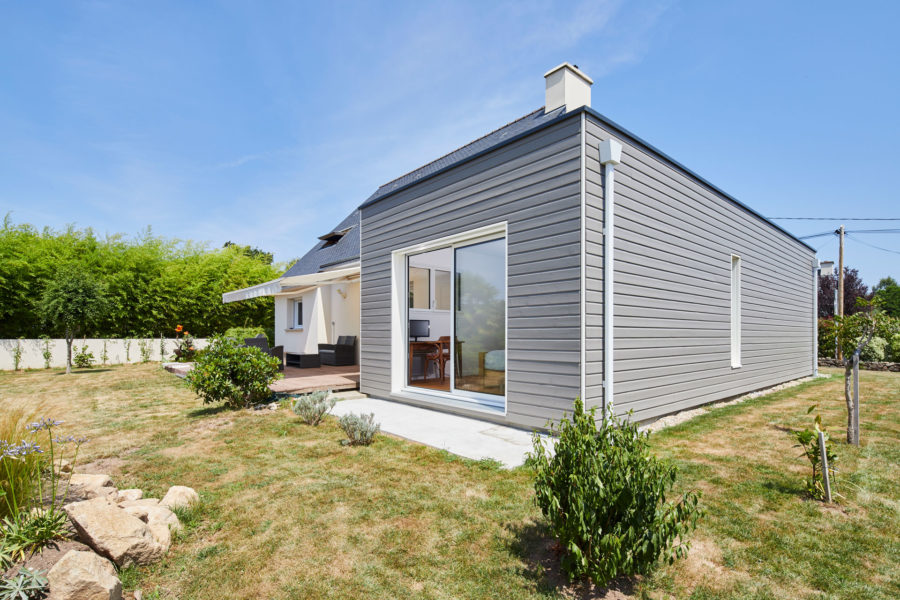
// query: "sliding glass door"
[[479, 319]]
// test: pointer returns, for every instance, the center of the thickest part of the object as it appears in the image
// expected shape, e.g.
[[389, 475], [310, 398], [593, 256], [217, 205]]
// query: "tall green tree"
[[73, 300], [888, 292]]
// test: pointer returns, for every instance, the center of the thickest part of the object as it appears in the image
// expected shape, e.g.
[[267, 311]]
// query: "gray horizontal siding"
[[674, 241], [534, 185]]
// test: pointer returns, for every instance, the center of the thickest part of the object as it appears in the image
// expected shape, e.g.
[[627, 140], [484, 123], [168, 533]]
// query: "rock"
[[84, 576], [160, 515], [162, 535], [92, 486], [138, 595], [179, 496], [129, 495], [114, 533], [139, 511], [65, 466], [141, 502]]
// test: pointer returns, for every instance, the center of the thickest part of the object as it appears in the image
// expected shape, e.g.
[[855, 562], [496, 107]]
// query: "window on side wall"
[[735, 311], [297, 314]]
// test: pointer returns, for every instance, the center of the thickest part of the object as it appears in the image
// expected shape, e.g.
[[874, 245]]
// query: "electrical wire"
[[855, 239], [815, 235], [832, 219]]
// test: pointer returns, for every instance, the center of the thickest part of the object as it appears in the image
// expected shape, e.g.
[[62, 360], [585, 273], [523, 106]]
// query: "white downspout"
[[815, 316], [610, 156]]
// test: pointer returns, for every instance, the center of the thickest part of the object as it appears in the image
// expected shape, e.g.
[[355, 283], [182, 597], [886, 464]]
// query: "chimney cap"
[[571, 67]]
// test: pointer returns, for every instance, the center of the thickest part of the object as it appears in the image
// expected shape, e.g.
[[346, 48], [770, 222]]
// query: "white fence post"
[[825, 478]]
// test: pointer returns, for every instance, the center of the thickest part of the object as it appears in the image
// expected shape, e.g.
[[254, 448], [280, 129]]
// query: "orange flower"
[[186, 334], [178, 328]]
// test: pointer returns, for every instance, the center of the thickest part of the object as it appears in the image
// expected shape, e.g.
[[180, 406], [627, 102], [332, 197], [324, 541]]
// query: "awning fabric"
[[269, 288], [274, 287], [322, 277]]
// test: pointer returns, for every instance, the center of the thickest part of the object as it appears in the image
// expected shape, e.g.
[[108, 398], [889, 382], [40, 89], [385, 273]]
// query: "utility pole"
[[840, 305]]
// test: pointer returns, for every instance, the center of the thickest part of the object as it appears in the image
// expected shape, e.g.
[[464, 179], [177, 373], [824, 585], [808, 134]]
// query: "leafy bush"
[[28, 584], [17, 355], [360, 429], [234, 374], [33, 519], [604, 495], [826, 338], [46, 353], [313, 407], [185, 348], [875, 351], [84, 358], [892, 352], [19, 470], [239, 334], [808, 439]]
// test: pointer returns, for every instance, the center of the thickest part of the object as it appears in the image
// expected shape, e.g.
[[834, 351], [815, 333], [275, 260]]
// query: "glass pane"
[[418, 288], [442, 290], [480, 317]]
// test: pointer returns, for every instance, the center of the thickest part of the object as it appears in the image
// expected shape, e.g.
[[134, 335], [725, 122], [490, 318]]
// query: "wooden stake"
[[825, 479], [856, 398]]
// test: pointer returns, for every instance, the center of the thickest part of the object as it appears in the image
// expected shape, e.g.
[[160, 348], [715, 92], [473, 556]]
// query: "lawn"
[[288, 512]]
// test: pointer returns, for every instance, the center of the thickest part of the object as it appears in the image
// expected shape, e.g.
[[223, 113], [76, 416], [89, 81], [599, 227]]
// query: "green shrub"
[[360, 429], [313, 407], [84, 358], [892, 352], [604, 496], [46, 353], [234, 374], [19, 471], [28, 584], [826, 338], [239, 334], [875, 351], [808, 440]]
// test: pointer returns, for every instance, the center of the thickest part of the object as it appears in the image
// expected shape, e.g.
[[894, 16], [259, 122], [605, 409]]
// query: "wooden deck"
[[303, 381]]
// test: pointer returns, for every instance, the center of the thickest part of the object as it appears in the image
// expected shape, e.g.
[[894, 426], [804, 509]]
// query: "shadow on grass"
[[83, 371], [541, 554], [207, 411]]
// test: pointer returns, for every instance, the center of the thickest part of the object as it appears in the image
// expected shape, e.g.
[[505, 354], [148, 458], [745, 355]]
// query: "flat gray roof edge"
[[620, 130]]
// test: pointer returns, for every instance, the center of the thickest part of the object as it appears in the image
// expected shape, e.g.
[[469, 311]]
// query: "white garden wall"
[[32, 357]]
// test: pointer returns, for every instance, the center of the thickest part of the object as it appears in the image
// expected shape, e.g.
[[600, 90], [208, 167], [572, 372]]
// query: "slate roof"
[[521, 126], [322, 257]]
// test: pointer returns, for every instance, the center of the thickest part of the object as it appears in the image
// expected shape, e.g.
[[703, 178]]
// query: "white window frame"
[[400, 322], [735, 275], [297, 313]]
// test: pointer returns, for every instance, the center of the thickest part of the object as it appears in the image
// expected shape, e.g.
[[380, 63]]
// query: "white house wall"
[[326, 315]]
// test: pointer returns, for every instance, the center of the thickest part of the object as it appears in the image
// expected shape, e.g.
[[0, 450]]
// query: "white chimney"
[[567, 86]]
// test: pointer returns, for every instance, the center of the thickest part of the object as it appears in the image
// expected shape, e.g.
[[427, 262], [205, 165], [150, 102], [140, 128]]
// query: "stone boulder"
[[179, 496], [129, 495], [112, 532], [84, 576], [92, 486]]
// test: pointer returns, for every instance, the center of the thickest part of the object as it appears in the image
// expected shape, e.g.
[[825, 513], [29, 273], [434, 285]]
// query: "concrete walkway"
[[463, 436]]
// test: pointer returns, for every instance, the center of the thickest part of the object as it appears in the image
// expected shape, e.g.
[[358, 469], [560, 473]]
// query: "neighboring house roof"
[[519, 127], [338, 247]]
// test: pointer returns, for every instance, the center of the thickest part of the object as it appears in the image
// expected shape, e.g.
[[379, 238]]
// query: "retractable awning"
[[269, 288], [275, 287], [322, 277]]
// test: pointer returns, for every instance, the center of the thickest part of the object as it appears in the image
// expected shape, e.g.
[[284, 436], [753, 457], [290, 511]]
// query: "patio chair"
[[342, 354], [262, 343]]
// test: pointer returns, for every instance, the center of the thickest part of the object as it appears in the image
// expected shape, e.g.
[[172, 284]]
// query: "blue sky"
[[265, 123]]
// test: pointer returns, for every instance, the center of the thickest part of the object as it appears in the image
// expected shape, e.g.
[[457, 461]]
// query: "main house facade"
[[557, 257]]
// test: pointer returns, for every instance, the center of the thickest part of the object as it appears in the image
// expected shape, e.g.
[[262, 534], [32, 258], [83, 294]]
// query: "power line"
[[831, 219], [872, 245], [847, 231]]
